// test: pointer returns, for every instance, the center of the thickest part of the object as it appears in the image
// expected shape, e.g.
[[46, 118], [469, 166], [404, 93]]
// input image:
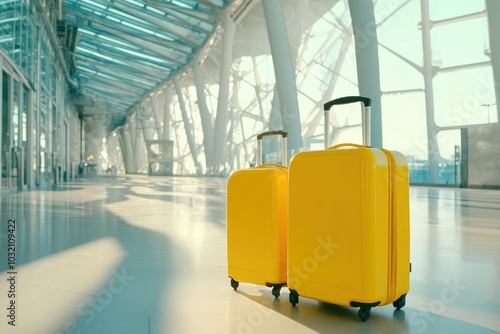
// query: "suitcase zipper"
[[391, 282]]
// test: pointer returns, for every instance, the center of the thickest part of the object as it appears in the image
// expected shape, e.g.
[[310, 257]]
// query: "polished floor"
[[140, 255]]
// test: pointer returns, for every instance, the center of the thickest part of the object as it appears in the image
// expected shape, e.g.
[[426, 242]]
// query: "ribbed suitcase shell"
[[349, 226], [257, 223]]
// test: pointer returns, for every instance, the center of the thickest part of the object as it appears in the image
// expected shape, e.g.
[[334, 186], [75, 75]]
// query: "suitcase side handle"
[[365, 116], [260, 136]]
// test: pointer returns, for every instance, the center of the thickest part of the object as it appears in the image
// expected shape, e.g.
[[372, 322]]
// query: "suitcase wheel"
[[400, 302], [294, 297], [276, 291], [364, 313], [234, 284], [364, 309]]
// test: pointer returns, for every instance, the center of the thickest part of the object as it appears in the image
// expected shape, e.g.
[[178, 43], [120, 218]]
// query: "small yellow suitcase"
[[257, 221], [349, 224]]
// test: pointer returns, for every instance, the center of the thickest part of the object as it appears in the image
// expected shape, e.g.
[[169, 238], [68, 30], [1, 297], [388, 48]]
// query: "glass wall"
[[14, 127], [425, 100], [462, 88], [422, 122], [6, 134], [35, 99]]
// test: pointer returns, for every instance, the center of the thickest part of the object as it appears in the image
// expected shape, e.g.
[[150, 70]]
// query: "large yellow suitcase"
[[257, 222], [349, 224]]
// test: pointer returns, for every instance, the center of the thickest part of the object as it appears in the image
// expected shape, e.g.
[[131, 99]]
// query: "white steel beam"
[[221, 120]]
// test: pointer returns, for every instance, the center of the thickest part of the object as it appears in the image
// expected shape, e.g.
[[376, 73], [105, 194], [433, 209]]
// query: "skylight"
[[129, 40]]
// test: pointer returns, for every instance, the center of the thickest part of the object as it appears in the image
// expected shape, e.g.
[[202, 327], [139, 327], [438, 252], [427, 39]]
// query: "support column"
[[166, 114], [187, 126], [284, 70], [147, 128], [258, 85], [365, 40], [113, 142], [139, 148], [297, 28], [221, 120], [29, 140], [156, 115], [38, 152], [127, 150], [21, 154], [273, 144], [493, 11], [206, 119], [1, 119], [432, 144], [94, 133], [147, 132], [296, 31]]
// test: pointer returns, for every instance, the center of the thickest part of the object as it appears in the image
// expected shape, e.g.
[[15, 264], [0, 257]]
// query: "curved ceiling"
[[118, 51]]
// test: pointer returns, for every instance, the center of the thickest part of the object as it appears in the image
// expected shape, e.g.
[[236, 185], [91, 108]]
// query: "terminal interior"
[[123, 120]]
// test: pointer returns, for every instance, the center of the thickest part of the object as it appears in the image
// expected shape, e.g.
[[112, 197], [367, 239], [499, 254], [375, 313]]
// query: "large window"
[[461, 76]]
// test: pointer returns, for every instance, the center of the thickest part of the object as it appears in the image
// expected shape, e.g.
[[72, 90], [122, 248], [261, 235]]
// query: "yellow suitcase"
[[257, 222], [349, 232]]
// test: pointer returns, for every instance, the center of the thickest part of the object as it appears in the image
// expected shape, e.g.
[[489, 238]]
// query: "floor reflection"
[[138, 254]]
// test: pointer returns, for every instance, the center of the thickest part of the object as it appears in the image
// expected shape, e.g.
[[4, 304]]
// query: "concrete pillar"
[[284, 69], [366, 43]]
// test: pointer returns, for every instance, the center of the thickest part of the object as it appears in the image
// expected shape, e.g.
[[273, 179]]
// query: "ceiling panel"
[[123, 49]]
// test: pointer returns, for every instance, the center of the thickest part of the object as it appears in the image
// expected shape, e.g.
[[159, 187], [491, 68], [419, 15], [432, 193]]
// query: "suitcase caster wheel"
[[234, 284], [364, 313], [400, 302], [276, 291], [294, 297]]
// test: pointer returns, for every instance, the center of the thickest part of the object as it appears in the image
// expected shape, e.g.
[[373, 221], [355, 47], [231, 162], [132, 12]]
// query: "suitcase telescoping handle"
[[284, 134], [365, 116]]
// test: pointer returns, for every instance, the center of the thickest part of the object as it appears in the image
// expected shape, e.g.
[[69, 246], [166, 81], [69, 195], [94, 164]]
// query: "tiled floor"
[[138, 254]]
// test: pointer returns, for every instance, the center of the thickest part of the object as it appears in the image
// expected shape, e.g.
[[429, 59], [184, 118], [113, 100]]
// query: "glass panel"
[[445, 9], [34, 158], [470, 102], [15, 164], [7, 23], [471, 49], [44, 126], [404, 124], [44, 170], [399, 31], [449, 143], [15, 114], [56, 140], [24, 131], [5, 130]]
